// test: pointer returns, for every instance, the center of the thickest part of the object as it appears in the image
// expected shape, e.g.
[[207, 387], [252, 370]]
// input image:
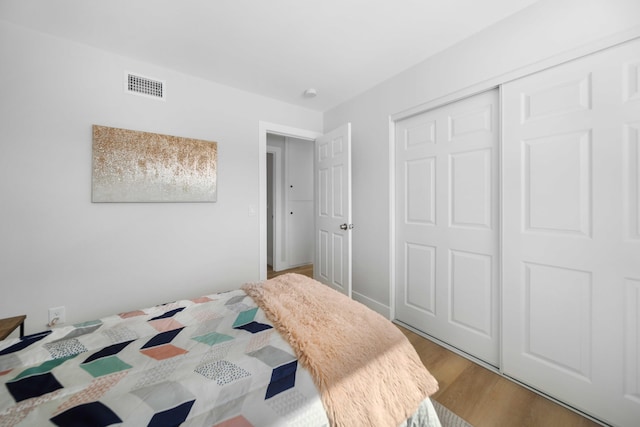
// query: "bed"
[[286, 351]]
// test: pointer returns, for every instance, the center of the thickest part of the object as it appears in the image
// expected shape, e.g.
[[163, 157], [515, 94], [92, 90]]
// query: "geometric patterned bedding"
[[210, 361]]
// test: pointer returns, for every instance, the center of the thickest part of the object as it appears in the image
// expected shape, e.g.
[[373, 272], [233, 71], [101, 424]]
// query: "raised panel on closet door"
[[632, 180], [557, 183], [446, 224], [571, 255], [632, 340], [471, 188]]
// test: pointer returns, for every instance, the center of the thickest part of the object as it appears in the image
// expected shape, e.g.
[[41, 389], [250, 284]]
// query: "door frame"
[[265, 128], [276, 197]]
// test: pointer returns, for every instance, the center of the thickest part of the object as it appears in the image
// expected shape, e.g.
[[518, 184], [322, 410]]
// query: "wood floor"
[[484, 398], [306, 270], [480, 396]]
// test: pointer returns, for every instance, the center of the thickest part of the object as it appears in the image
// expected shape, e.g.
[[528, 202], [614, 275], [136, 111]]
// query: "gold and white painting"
[[134, 166]]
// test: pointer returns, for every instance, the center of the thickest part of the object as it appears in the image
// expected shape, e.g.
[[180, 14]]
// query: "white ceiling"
[[277, 48]]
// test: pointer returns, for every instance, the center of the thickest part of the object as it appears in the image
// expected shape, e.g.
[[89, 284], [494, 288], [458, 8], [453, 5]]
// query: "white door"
[[571, 233], [333, 209], [446, 232]]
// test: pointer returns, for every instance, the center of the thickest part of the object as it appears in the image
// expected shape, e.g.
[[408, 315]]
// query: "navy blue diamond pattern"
[[282, 378], [172, 417], [94, 414], [108, 351], [24, 342], [33, 386], [168, 314], [254, 327], [162, 338]]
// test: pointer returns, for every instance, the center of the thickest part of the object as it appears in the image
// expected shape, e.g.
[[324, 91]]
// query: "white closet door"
[[447, 224], [571, 233]]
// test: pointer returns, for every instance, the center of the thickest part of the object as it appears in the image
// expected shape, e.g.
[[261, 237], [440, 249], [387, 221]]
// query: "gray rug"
[[448, 418]]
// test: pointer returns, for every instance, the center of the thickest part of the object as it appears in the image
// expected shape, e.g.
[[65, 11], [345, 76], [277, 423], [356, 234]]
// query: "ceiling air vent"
[[136, 84]]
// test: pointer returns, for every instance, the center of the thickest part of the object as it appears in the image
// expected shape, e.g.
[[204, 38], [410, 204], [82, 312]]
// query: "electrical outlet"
[[57, 315]]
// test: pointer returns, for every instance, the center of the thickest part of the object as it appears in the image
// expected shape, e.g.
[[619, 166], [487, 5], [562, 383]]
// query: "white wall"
[[546, 29], [299, 198], [56, 247]]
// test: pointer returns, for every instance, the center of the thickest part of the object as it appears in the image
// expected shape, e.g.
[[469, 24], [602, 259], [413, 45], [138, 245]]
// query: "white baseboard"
[[372, 304]]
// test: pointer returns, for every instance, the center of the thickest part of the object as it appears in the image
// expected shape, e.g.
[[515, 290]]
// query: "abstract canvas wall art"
[[134, 166]]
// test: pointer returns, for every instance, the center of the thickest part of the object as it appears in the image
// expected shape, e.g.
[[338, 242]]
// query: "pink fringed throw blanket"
[[366, 370]]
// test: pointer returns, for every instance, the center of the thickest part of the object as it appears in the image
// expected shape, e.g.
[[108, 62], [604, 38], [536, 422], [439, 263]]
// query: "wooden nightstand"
[[10, 324]]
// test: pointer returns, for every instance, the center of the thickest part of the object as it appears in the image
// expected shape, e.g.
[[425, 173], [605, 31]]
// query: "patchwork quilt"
[[211, 361]]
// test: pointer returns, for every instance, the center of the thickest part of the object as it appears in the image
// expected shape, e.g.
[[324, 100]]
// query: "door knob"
[[346, 226]]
